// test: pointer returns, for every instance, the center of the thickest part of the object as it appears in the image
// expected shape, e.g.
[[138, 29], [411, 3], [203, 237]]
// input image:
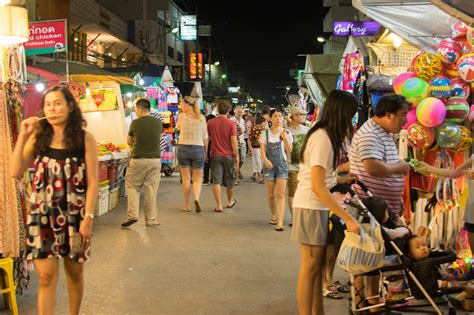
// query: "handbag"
[[364, 252]]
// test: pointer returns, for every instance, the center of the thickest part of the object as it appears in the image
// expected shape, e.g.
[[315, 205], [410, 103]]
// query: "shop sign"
[[196, 66], [360, 28], [188, 27], [46, 37]]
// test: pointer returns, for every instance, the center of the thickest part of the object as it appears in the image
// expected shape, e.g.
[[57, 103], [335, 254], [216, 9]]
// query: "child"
[[254, 137], [425, 168]]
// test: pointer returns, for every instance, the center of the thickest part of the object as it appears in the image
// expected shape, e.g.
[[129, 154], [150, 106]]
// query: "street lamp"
[[224, 76], [321, 39], [217, 63]]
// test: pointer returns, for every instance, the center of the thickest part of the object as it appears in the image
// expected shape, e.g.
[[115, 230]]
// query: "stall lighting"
[[130, 104], [13, 25], [217, 63], [123, 59], [175, 30], [4, 2], [39, 87], [129, 94], [321, 39], [397, 41], [287, 88], [141, 82], [110, 54], [76, 39], [224, 76]]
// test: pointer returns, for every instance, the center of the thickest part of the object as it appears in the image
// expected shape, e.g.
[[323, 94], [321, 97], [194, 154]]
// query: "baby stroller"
[[432, 295]]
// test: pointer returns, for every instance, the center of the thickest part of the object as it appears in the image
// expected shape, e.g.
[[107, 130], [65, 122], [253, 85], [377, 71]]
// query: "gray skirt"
[[310, 227]]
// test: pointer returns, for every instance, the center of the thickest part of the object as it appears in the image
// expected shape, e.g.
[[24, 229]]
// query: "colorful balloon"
[[457, 110], [431, 112], [459, 29], [448, 135], [440, 87], [466, 46], [420, 137], [451, 70], [415, 90], [466, 67], [470, 118], [449, 50], [460, 88], [411, 118], [400, 80], [428, 66], [466, 141]]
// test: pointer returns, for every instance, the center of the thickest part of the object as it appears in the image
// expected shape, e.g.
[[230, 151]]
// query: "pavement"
[[209, 263]]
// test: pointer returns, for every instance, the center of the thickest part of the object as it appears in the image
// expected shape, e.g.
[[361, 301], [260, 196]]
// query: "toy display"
[[420, 137], [411, 118], [465, 142], [465, 67], [460, 88], [449, 50], [431, 112], [457, 110], [428, 66], [415, 90], [448, 135], [400, 80]]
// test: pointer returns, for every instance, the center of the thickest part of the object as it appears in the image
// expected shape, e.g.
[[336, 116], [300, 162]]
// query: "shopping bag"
[[364, 252]]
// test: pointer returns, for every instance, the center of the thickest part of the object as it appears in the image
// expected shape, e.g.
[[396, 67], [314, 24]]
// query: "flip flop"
[[218, 210], [273, 222], [197, 206], [279, 229], [186, 210], [232, 203]]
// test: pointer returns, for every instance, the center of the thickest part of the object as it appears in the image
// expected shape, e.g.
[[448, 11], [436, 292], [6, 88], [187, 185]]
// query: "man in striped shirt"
[[374, 156]]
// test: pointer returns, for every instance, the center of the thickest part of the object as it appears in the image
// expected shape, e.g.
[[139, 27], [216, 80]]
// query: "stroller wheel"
[[168, 171]]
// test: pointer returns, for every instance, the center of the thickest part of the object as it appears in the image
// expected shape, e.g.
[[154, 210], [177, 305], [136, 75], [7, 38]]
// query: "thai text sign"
[[196, 67], [361, 28], [47, 37], [188, 27]]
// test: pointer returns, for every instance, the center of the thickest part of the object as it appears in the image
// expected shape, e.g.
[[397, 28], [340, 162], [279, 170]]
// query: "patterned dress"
[[57, 206]]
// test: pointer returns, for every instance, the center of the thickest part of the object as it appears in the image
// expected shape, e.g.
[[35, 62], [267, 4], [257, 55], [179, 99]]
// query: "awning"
[[462, 10], [419, 22], [320, 75], [96, 77]]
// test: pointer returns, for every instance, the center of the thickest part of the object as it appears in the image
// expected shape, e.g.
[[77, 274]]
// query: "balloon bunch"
[[461, 269], [438, 88]]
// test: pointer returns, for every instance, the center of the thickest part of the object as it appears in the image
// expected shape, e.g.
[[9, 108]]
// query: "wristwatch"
[[88, 215]]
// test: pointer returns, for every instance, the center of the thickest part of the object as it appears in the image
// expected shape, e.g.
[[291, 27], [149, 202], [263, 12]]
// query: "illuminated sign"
[[188, 27], [196, 66], [360, 28], [234, 89], [46, 37]]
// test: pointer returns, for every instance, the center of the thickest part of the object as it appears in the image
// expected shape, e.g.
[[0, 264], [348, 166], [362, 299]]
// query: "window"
[[170, 52], [179, 56]]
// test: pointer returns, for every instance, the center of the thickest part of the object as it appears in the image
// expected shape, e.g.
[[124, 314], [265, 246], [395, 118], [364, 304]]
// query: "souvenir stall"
[[432, 65], [102, 103], [14, 31]]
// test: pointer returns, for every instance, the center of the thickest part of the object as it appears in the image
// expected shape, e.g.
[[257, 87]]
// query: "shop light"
[[39, 87], [123, 59], [141, 82], [13, 25], [110, 54], [397, 41], [4, 2], [217, 63], [321, 39], [130, 104], [287, 88], [224, 76], [175, 30], [88, 89], [76, 39], [129, 94]]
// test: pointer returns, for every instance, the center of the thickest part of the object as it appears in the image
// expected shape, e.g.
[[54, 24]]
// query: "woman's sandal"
[[279, 229], [218, 210], [186, 210], [341, 287], [273, 222], [261, 181], [332, 294]]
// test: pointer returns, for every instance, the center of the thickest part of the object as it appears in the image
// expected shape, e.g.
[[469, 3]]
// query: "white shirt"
[[318, 152], [275, 138], [240, 128]]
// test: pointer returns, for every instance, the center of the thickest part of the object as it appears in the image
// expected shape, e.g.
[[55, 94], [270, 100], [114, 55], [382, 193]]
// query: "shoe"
[[332, 294], [233, 202], [241, 176], [129, 222], [186, 210], [273, 222], [290, 224], [253, 177], [261, 181], [341, 287], [155, 223], [197, 206], [205, 183], [218, 210], [237, 182], [279, 229]]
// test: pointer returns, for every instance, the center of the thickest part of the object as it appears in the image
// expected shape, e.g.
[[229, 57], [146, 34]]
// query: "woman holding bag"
[[323, 145]]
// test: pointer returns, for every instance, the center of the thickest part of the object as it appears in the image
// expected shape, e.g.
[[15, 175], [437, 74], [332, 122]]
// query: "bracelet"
[[88, 215]]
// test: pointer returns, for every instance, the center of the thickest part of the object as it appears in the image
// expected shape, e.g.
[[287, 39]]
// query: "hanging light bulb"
[[13, 24], [39, 87], [141, 82], [129, 104], [129, 94]]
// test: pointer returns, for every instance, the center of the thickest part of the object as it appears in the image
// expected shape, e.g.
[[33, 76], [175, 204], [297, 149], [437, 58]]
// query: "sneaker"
[[129, 222], [205, 183], [154, 223]]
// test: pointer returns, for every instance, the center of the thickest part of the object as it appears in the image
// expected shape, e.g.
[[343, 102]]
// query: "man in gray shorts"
[[224, 154]]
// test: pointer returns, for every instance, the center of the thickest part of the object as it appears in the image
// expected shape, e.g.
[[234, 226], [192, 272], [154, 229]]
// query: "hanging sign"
[[196, 67], [46, 37], [188, 27], [360, 28]]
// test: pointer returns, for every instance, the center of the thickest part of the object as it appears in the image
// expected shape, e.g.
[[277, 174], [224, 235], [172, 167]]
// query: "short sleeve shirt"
[[192, 131], [220, 130], [298, 140], [146, 133], [318, 152], [371, 141]]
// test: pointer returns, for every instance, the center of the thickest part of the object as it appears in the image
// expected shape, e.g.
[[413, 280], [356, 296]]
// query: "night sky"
[[259, 45]]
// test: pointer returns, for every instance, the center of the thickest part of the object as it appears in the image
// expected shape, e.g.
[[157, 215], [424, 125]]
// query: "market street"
[[229, 263]]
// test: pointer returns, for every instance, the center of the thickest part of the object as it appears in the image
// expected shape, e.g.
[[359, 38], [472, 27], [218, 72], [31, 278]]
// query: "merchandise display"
[[431, 112], [440, 87]]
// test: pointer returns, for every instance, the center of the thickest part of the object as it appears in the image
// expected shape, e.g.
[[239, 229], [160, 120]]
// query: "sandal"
[[332, 294], [279, 229], [273, 222], [197, 206], [341, 287], [261, 181], [237, 182], [186, 210], [233, 202], [218, 210]]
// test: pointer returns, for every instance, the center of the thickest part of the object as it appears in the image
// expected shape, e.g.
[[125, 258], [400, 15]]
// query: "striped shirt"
[[191, 131], [371, 141]]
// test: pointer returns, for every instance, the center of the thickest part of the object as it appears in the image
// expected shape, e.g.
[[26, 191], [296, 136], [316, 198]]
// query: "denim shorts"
[[279, 171], [191, 156]]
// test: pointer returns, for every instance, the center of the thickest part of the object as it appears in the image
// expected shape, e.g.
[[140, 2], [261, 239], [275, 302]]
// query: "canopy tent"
[[151, 74], [460, 9], [413, 20], [320, 75], [81, 72]]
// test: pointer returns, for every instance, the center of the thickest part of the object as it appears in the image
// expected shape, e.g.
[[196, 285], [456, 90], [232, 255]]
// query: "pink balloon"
[[411, 118], [431, 112], [400, 79]]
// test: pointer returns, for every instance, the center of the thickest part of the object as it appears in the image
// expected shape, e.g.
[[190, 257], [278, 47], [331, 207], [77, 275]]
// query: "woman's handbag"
[[364, 252]]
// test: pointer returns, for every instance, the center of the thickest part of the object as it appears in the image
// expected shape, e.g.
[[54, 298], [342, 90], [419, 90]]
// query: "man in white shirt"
[[240, 135]]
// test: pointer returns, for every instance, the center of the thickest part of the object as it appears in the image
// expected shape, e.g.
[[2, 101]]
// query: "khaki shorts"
[[292, 183]]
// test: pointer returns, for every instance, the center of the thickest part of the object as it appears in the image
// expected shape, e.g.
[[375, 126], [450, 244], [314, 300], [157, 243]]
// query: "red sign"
[[47, 37], [196, 67]]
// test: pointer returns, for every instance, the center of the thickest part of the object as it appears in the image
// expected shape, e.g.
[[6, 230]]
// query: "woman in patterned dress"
[[64, 192]]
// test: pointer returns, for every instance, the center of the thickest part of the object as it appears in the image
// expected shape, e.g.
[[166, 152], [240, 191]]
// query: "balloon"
[[411, 118], [420, 137], [466, 46], [440, 87], [457, 110], [471, 114], [400, 80], [451, 70], [431, 112], [449, 50], [459, 29], [428, 66], [448, 135], [466, 67], [414, 90], [465, 142], [460, 88]]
